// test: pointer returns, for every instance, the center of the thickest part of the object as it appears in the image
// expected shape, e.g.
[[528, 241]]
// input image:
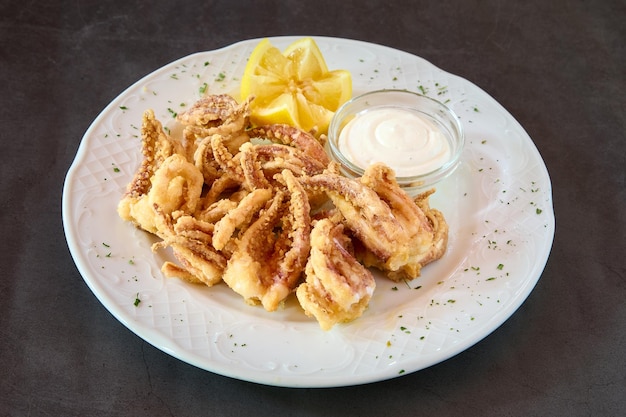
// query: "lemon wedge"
[[294, 86]]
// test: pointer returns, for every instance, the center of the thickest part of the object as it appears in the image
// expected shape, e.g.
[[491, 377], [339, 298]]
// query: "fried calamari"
[[265, 211]]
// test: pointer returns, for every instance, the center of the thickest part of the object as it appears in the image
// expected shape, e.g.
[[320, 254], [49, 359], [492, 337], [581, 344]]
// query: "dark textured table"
[[559, 67]]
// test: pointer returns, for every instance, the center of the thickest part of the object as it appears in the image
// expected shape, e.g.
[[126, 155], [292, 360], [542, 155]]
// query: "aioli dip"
[[404, 140]]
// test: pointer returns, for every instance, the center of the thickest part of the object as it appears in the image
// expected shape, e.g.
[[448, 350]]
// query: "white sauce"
[[402, 139]]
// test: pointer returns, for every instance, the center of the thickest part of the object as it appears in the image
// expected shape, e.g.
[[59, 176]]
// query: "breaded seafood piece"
[[175, 186], [217, 114], [190, 240], [241, 215], [292, 136], [369, 218], [425, 230], [271, 254], [337, 287], [398, 237]]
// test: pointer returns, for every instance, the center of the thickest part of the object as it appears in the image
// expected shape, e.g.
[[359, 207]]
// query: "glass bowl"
[[420, 138]]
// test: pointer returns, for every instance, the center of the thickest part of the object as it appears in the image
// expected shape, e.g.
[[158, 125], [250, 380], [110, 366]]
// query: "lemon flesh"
[[294, 86]]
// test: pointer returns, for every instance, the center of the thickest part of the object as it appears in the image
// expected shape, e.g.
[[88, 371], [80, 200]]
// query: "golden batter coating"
[[425, 231], [337, 287], [271, 255], [292, 136], [399, 235]]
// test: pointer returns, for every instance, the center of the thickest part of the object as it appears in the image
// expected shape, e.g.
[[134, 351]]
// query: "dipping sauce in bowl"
[[419, 138], [400, 138]]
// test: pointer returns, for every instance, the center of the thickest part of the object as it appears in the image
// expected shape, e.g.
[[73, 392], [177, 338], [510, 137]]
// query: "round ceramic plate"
[[498, 205]]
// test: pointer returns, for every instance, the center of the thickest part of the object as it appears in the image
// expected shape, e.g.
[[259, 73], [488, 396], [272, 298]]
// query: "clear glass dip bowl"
[[443, 118]]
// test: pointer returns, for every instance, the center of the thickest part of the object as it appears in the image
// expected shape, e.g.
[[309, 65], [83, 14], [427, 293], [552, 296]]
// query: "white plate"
[[498, 205]]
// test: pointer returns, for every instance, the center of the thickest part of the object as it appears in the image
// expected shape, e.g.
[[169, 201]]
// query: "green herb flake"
[[137, 300], [172, 112], [220, 77], [203, 88], [500, 266], [123, 108], [538, 211]]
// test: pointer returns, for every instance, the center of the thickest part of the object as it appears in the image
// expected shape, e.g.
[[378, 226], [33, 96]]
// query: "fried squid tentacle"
[[370, 219], [216, 114], [175, 186], [292, 136], [271, 254], [337, 288], [397, 235], [425, 230], [240, 215], [190, 240], [275, 157], [253, 174], [253, 260]]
